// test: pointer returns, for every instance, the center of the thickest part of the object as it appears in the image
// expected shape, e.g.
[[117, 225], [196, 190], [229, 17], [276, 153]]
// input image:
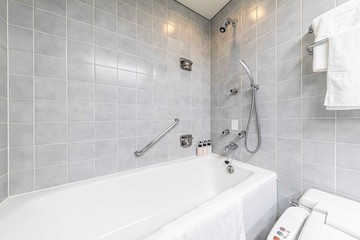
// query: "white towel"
[[218, 219], [343, 76], [332, 22]]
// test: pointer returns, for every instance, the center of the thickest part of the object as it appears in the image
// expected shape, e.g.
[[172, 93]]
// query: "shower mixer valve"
[[226, 132], [234, 91], [242, 134]]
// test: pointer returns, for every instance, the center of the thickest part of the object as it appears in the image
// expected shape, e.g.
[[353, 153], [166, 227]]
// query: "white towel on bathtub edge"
[[220, 218], [343, 76], [332, 22]]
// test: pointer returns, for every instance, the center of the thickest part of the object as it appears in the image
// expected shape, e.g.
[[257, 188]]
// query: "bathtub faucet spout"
[[231, 146]]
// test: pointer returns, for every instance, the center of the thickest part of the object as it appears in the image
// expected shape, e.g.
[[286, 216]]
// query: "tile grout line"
[[117, 89], [67, 92], [301, 99], [276, 92], [94, 84], [34, 99], [8, 99]]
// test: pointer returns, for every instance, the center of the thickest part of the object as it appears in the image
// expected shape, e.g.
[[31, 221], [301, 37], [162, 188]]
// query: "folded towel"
[[218, 219], [155, 236], [343, 76], [332, 22]]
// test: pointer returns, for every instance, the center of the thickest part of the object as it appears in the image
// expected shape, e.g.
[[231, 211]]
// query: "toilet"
[[319, 216]]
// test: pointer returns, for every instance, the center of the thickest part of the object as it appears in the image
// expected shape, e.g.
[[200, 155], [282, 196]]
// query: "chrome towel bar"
[[310, 48], [142, 151]]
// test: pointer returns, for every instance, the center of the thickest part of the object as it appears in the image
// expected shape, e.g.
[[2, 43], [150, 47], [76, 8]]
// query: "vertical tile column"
[[81, 89], [21, 97], [4, 169]]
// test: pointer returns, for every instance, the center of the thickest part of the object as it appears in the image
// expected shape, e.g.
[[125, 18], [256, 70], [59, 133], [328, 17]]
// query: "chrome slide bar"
[[142, 151]]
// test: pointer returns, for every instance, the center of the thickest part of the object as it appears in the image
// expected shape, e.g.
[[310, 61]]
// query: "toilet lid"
[[316, 228], [332, 213]]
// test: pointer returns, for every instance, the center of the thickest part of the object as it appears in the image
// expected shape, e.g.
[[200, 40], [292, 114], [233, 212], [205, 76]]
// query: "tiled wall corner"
[[3, 102], [306, 145], [92, 81]]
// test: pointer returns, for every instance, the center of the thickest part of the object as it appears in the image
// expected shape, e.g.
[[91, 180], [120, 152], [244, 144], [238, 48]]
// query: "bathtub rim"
[[258, 179]]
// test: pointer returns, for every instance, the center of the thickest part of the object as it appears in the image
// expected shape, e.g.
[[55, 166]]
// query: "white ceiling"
[[206, 8]]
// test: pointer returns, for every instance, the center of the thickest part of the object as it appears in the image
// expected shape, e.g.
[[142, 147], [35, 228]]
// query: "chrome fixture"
[[311, 29], [226, 23], [253, 109], [230, 169], [310, 48], [142, 151], [241, 134], [186, 64], [186, 140], [225, 132], [234, 91], [230, 147]]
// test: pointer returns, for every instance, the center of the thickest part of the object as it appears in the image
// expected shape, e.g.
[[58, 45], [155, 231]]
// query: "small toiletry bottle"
[[205, 148], [209, 146], [200, 149]]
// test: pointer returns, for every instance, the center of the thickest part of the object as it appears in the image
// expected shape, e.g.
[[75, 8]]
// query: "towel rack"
[[310, 48], [142, 151]]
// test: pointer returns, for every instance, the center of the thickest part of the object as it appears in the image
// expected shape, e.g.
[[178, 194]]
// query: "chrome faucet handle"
[[226, 132], [234, 91]]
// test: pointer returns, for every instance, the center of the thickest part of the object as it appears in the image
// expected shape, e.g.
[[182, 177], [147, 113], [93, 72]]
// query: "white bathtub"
[[132, 205]]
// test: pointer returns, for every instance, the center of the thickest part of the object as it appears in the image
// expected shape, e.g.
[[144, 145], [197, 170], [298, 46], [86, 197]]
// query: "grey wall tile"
[[105, 166], [81, 171], [80, 51], [80, 71], [50, 111], [20, 87], [319, 129], [50, 176], [50, 67], [348, 182], [49, 23], [80, 32], [20, 62], [20, 111], [319, 152], [50, 45], [20, 15], [347, 156], [81, 151], [79, 91], [20, 38], [347, 130], [21, 158], [21, 182], [50, 89], [50, 155], [81, 131], [56, 6], [320, 175], [79, 11], [105, 21], [81, 111], [47, 133], [20, 134]]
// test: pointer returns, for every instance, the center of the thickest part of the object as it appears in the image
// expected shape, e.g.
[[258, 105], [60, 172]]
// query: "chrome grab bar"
[[310, 48], [142, 151]]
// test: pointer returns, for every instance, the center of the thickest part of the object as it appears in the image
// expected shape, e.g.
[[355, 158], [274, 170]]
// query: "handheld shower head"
[[226, 23], [248, 71]]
